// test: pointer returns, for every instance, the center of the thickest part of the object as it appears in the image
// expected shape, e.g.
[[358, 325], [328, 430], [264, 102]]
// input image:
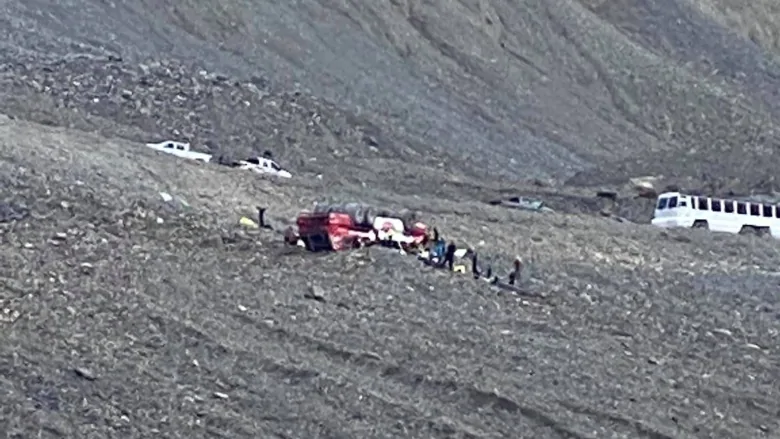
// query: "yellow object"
[[246, 222], [459, 268]]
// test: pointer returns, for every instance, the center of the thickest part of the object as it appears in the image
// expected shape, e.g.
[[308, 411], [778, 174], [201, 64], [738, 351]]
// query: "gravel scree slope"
[[127, 316]]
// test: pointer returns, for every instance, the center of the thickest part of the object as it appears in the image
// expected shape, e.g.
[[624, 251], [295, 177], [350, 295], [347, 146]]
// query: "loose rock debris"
[[12, 212], [9, 315], [523, 203], [248, 223], [85, 373], [315, 293]]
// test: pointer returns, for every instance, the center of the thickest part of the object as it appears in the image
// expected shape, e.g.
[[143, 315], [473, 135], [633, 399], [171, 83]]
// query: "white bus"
[[675, 209]]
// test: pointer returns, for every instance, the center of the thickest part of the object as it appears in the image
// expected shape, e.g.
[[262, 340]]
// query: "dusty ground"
[[193, 327], [125, 316]]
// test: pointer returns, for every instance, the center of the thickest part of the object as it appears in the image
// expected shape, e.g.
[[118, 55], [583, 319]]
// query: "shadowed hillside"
[[124, 315], [536, 88]]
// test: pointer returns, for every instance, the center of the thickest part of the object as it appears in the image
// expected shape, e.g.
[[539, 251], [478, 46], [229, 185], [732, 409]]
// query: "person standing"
[[449, 256], [475, 265], [261, 218], [517, 271], [439, 250]]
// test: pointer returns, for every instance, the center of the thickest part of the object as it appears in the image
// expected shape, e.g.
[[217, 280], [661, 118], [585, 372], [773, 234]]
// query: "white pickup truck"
[[263, 165], [179, 149]]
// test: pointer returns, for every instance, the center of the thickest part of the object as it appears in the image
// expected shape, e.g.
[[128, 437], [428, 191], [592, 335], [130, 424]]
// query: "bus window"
[[754, 209], [741, 208], [767, 210], [716, 205], [728, 206], [701, 203], [662, 203], [672, 202]]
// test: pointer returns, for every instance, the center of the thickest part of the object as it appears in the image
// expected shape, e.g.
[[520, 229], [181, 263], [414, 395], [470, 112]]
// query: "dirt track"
[[119, 324]]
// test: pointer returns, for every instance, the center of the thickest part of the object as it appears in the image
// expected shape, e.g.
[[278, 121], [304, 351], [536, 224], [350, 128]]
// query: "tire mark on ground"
[[454, 395], [635, 426], [466, 396], [207, 310], [265, 355]]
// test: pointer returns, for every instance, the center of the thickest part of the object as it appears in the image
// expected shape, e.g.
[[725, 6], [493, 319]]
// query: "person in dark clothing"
[[489, 276], [514, 276], [475, 265], [261, 218], [435, 234], [449, 256]]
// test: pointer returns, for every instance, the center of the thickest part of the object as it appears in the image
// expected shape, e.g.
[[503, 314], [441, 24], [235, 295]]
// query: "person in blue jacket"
[[438, 250]]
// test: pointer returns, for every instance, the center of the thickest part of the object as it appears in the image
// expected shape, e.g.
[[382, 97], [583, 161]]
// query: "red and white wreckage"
[[335, 227]]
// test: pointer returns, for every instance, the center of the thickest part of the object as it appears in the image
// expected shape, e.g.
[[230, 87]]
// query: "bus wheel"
[[701, 224], [752, 230]]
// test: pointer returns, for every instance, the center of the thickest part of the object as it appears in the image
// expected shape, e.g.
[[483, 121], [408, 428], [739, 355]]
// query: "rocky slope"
[[537, 88], [129, 315], [124, 315]]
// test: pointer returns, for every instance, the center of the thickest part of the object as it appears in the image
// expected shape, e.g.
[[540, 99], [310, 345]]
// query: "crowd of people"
[[441, 254]]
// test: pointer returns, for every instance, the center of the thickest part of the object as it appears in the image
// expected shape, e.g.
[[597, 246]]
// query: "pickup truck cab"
[[180, 149]]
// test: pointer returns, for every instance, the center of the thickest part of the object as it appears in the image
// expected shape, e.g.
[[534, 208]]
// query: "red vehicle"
[[345, 226], [332, 231]]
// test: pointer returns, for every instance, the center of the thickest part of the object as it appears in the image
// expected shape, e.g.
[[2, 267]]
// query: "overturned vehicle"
[[342, 226]]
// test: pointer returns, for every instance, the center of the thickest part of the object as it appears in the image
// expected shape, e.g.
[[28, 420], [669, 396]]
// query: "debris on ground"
[[85, 373], [173, 203], [12, 212], [9, 315], [248, 223], [645, 186], [608, 214], [523, 203], [315, 293], [166, 197], [609, 195]]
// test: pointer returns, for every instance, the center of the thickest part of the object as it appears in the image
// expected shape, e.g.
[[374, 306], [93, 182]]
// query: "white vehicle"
[[675, 209], [263, 165], [180, 149]]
